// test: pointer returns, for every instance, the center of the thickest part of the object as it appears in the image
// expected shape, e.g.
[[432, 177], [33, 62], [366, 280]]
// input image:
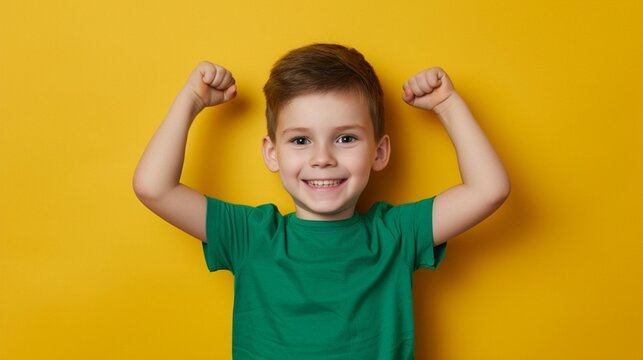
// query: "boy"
[[324, 282]]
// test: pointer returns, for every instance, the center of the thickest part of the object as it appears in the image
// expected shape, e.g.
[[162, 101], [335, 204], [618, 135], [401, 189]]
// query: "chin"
[[329, 213]]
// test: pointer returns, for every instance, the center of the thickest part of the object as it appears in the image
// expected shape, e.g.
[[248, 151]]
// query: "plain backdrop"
[[87, 272]]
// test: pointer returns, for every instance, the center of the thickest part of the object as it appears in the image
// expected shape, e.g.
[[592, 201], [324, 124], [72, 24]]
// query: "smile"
[[324, 183]]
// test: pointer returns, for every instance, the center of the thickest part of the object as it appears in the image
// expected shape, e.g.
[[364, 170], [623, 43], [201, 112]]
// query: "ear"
[[269, 154], [382, 153]]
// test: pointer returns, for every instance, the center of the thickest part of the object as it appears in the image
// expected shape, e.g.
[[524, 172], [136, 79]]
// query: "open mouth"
[[324, 183]]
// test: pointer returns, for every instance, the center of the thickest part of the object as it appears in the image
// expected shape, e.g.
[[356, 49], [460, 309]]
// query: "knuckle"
[[204, 64]]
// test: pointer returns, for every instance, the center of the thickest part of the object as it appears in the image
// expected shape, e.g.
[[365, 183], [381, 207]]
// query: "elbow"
[[140, 190], [143, 190], [499, 193], [493, 193]]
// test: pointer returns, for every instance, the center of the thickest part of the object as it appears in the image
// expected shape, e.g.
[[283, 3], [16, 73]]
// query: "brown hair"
[[321, 68]]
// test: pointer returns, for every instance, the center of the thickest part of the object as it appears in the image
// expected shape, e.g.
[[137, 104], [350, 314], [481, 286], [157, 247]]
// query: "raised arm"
[[485, 182], [157, 177]]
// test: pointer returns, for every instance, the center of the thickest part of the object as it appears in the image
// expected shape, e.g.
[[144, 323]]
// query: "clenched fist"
[[210, 85], [428, 89]]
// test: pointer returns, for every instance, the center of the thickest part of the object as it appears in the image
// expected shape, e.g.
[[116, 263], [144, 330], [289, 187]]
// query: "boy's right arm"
[[157, 177]]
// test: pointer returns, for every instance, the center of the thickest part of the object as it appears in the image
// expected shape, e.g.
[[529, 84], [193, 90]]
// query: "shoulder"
[[407, 220], [411, 225], [387, 211], [217, 209]]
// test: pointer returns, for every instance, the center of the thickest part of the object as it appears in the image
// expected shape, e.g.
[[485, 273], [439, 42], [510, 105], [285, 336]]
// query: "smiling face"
[[324, 150]]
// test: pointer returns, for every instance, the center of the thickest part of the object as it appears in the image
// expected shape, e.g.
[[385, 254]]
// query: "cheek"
[[360, 164], [289, 163]]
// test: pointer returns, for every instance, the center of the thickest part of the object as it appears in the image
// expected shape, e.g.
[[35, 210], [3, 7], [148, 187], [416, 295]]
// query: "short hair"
[[322, 68]]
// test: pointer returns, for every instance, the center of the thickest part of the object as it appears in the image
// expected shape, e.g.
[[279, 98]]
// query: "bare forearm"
[[480, 167], [159, 169], [156, 179], [485, 183]]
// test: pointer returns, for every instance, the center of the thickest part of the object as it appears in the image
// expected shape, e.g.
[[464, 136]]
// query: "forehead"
[[325, 110]]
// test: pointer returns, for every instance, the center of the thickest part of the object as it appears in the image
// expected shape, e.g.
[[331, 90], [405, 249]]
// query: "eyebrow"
[[338, 129]]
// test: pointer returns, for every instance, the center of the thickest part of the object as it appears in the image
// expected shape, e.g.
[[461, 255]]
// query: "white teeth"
[[323, 183]]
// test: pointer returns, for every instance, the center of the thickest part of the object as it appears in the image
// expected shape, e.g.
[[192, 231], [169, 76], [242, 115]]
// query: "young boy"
[[324, 282]]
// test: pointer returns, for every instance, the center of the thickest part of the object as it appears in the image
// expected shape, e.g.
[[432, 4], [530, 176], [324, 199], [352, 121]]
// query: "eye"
[[346, 139], [300, 141]]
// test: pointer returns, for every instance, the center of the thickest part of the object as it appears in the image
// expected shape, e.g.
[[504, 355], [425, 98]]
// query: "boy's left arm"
[[485, 183]]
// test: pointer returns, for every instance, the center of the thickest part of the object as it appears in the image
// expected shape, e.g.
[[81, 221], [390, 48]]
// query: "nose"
[[322, 156]]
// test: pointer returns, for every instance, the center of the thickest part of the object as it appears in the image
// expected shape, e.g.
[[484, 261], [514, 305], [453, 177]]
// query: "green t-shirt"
[[326, 290]]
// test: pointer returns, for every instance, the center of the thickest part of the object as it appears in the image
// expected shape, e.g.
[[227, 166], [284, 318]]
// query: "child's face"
[[324, 150]]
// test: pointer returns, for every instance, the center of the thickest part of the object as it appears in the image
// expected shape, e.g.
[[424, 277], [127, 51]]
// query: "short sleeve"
[[427, 254], [226, 234], [412, 224], [230, 230]]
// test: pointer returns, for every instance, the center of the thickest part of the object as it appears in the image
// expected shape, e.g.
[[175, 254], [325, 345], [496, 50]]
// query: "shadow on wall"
[[219, 124], [495, 235]]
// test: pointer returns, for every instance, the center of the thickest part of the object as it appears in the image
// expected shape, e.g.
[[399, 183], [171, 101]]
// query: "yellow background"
[[87, 272]]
